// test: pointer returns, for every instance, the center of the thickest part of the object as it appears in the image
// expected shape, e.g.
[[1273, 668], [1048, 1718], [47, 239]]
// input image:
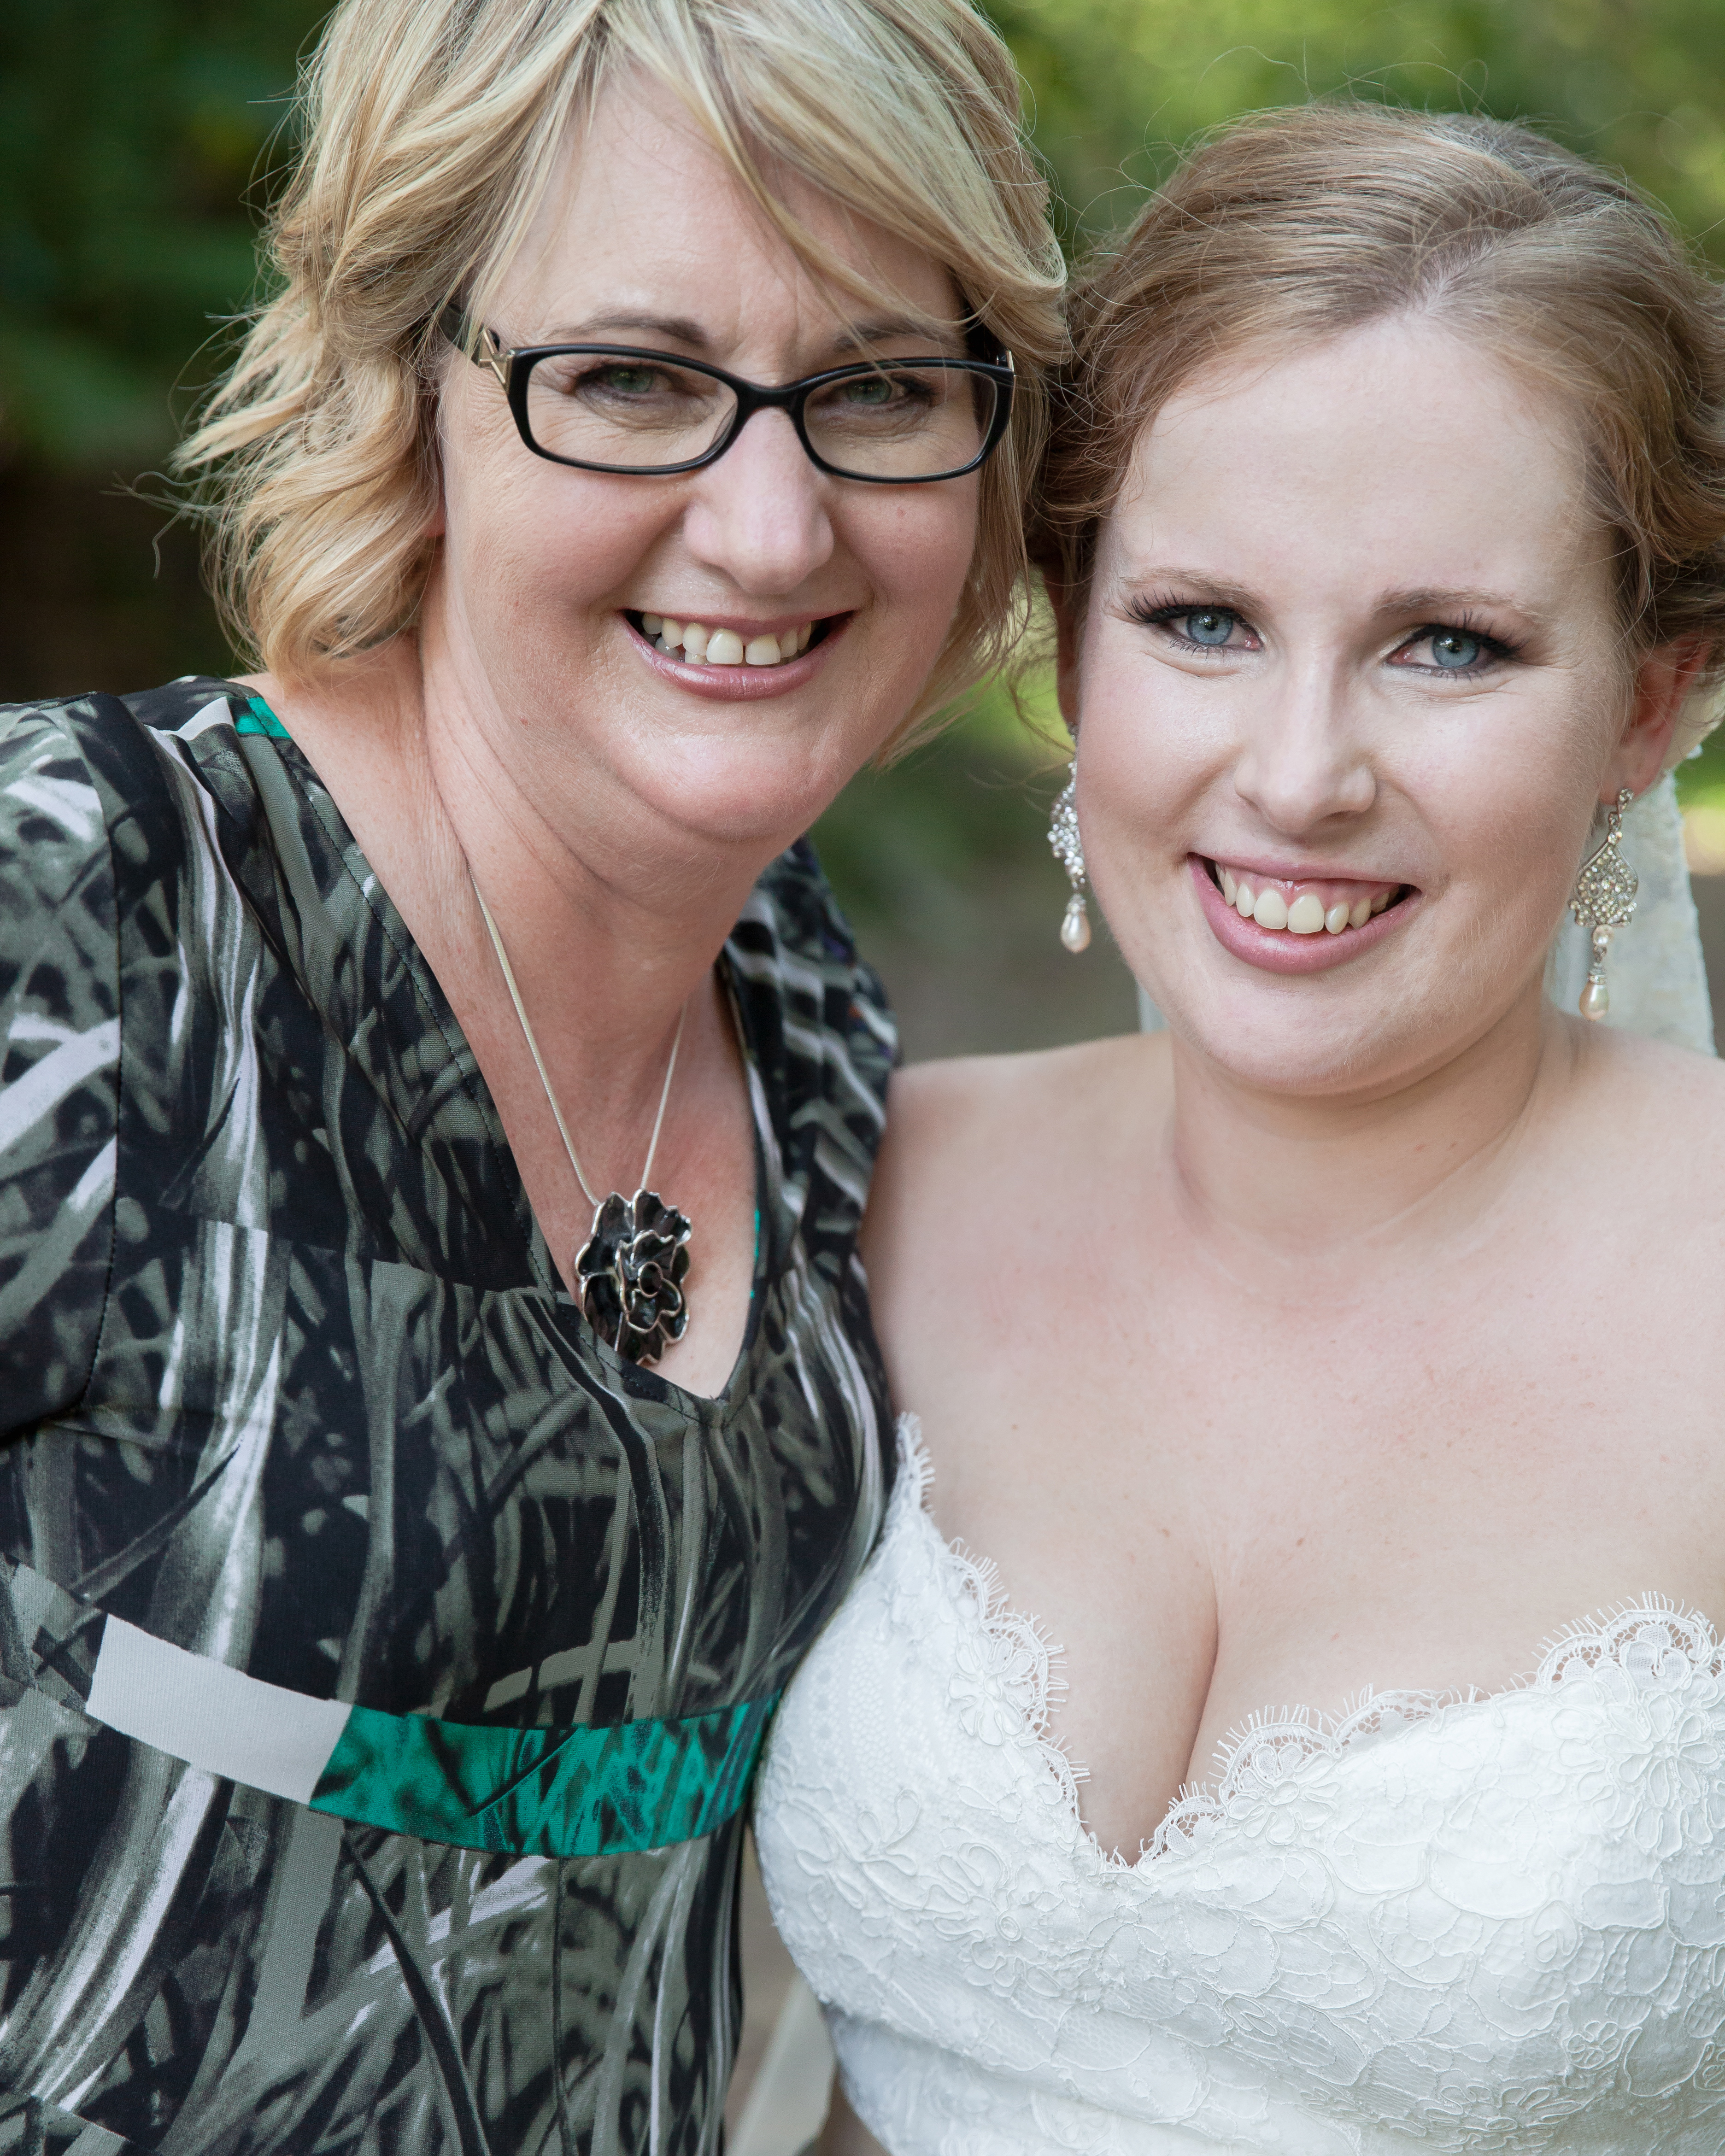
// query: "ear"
[[437, 523], [1665, 681], [1069, 650]]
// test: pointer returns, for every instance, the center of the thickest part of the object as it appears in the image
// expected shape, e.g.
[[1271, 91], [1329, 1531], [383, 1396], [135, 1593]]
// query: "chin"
[[759, 794], [1367, 1041], [1309, 1037], [1305, 1062]]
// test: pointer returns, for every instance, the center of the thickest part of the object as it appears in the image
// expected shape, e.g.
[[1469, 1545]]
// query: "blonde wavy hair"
[[430, 131], [1289, 227]]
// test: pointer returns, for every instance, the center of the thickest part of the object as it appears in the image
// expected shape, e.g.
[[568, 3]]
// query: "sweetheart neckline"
[[1307, 1732]]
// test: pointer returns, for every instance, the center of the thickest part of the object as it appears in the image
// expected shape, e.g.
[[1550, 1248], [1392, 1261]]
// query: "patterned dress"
[[382, 1663]]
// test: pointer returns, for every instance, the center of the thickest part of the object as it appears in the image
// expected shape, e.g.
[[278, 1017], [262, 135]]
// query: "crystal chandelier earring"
[[1069, 850], [1604, 899]]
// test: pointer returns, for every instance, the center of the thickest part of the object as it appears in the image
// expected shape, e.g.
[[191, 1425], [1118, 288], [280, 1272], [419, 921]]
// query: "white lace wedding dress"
[[1447, 1924]]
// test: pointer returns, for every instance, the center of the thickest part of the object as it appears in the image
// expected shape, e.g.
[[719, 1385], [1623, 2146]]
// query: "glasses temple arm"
[[484, 349]]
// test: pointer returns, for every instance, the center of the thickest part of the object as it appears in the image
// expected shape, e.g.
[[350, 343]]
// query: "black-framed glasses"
[[614, 408]]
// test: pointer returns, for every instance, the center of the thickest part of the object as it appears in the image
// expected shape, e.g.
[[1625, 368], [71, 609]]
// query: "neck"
[[612, 916], [605, 905], [1315, 1182]]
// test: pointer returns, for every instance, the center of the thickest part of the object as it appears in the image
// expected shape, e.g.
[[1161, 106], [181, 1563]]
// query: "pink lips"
[[735, 685], [1273, 950]]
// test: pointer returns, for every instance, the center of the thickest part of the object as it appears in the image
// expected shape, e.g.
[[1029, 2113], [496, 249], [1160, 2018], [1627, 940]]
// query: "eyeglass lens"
[[891, 422]]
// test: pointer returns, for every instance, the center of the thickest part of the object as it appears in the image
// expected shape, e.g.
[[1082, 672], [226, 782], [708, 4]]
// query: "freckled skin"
[[1384, 1307]]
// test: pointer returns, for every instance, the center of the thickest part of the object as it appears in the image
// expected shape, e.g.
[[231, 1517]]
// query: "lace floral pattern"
[[1441, 1922], [1642, 1655]]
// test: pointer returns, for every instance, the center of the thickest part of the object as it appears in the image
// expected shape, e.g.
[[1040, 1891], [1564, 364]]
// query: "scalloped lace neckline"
[[1651, 1640]]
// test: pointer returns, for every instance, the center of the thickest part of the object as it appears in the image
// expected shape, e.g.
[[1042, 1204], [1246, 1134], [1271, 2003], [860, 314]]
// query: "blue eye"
[[1455, 648], [1210, 628]]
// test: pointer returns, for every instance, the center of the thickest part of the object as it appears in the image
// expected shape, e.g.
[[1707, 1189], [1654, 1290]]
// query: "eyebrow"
[[1219, 590], [1434, 602], [671, 329], [945, 339], [859, 335]]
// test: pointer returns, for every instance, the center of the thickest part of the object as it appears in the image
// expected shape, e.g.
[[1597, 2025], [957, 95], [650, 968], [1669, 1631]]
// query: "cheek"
[[1150, 743], [1508, 803], [914, 544], [522, 536]]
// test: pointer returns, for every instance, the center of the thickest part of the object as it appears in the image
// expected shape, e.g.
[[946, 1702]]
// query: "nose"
[[761, 514], [1303, 763]]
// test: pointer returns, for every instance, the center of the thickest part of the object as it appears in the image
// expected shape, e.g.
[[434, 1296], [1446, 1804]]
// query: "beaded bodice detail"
[[1446, 1923]]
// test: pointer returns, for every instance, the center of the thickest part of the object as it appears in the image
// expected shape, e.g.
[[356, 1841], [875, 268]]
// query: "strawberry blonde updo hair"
[[429, 132], [1290, 227]]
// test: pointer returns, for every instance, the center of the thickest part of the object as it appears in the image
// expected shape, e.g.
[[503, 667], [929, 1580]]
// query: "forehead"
[[643, 210], [1398, 454]]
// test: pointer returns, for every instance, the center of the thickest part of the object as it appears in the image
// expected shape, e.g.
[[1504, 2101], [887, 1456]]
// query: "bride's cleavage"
[[1257, 1758], [1303, 906], [1258, 1755]]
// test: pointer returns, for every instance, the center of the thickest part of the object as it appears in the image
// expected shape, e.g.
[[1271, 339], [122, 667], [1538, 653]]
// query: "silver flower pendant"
[[630, 1275]]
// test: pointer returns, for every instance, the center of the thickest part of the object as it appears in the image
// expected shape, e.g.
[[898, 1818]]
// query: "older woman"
[[440, 1098], [1338, 1374]]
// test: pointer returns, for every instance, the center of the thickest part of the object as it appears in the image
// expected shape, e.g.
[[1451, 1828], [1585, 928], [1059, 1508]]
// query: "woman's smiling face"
[[1349, 686], [555, 582]]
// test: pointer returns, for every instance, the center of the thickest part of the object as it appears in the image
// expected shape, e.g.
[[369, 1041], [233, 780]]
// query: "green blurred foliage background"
[[140, 138]]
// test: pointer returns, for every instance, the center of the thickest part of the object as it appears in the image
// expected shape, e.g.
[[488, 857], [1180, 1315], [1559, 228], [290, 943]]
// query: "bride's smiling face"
[[1349, 685]]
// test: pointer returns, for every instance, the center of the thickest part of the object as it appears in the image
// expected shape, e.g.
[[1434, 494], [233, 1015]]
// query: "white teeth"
[[724, 647], [1305, 916]]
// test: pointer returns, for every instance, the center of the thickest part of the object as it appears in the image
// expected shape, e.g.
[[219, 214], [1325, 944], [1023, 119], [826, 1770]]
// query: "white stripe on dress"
[[213, 1717]]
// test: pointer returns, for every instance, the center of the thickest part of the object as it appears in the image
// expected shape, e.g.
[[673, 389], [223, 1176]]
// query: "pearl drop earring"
[[1604, 899], [1069, 849]]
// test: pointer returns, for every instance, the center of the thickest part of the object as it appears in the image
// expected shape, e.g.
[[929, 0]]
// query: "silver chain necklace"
[[629, 1272]]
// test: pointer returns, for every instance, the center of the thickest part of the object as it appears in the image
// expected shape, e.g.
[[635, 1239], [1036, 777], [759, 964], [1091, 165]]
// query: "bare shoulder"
[[978, 1151], [1650, 1169], [1667, 1107], [1005, 1119]]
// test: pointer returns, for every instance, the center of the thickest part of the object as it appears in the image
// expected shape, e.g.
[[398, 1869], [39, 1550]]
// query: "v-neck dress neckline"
[[268, 724]]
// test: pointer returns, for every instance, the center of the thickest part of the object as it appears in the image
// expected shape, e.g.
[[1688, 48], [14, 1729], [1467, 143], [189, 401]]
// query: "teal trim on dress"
[[589, 1792], [257, 718]]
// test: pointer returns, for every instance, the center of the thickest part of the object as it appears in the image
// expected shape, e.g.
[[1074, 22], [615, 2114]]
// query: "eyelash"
[[1150, 611], [1498, 649], [1153, 612]]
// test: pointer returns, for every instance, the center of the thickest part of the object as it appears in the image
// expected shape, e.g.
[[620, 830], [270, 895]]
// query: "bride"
[[1338, 1375]]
